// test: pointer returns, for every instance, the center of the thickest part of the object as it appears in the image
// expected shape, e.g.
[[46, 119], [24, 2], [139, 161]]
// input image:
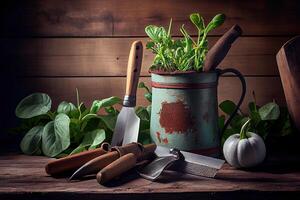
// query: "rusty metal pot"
[[184, 111]]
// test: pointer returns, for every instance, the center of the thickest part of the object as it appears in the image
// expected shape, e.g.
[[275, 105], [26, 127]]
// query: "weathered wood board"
[[23, 177]]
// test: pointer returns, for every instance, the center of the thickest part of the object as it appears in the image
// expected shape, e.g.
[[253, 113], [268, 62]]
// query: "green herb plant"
[[184, 54], [71, 128], [269, 120]]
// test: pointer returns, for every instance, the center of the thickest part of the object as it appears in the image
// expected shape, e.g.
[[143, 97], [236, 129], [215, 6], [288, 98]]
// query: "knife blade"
[[182, 161], [127, 125]]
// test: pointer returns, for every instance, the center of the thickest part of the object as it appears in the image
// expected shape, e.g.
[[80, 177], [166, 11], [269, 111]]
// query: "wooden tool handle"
[[72, 162], [134, 67], [217, 53], [102, 161], [148, 151], [116, 168]]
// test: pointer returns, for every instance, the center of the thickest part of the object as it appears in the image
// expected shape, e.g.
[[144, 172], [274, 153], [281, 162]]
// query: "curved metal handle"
[[243, 82]]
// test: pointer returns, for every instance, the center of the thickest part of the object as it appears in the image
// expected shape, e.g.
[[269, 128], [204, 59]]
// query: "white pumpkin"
[[244, 150]]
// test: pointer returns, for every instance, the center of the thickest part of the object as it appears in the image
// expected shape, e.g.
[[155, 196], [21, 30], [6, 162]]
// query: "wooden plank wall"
[[55, 46]]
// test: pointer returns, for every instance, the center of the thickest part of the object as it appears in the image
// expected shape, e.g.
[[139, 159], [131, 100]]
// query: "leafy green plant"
[[269, 119], [182, 54], [72, 129], [144, 113], [68, 130]]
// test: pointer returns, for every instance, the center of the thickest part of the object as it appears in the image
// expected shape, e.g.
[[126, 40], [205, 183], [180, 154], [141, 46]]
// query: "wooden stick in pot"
[[218, 52]]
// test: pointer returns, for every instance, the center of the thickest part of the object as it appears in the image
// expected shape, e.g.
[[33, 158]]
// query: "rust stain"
[[176, 117], [158, 136], [165, 140]]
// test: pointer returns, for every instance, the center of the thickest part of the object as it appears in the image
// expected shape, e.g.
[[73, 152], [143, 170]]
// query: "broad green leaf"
[[33, 105], [197, 20], [218, 20], [68, 108], [142, 113], [56, 136], [270, 111], [90, 125], [98, 104], [144, 137], [253, 113], [144, 124], [90, 140], [75, 133], [227, 107], [109, 121], [31, 142]]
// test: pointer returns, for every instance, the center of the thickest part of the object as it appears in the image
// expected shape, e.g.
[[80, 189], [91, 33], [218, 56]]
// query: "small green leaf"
[[56, 136], [150, 45], [31, 142], [154, 32], [33, 105], [68, 108], [148, 96], [270, 111], [197, 20], [227, 107], [218, 20], [98, 104]]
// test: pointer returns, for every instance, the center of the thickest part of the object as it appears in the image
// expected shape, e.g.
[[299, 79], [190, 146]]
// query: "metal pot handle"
[[243, 82]]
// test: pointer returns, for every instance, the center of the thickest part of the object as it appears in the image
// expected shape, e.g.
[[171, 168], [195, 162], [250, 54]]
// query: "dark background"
[[55, 46]]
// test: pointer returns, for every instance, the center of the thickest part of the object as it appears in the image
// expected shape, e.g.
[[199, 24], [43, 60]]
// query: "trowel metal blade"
[[127, 127], [193, 163]]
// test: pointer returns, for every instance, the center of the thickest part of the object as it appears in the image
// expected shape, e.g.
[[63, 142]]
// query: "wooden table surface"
[[23, 177]]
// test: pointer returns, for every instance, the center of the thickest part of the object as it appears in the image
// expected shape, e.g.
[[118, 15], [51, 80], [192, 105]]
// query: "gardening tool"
[[111, 158], [218, 52], [73, 162], [181, 161], [288, 62], [127, 125]]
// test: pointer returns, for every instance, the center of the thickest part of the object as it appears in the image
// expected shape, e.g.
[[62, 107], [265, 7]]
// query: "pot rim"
[[177, 72]]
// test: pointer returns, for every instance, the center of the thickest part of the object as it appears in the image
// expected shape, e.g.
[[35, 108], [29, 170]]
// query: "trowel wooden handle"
[[134, 67], [116, 168], [217, 53], [72, 162]]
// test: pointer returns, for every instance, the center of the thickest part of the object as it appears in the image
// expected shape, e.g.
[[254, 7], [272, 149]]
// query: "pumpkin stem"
[[244, 130]]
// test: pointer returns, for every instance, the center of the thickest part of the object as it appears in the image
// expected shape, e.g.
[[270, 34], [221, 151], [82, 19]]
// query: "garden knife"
[[127, 125], [217, 53], [182, 161]]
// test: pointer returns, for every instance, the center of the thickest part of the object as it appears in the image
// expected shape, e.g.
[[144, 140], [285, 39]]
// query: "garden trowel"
[[127, 125], [182, 161]]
